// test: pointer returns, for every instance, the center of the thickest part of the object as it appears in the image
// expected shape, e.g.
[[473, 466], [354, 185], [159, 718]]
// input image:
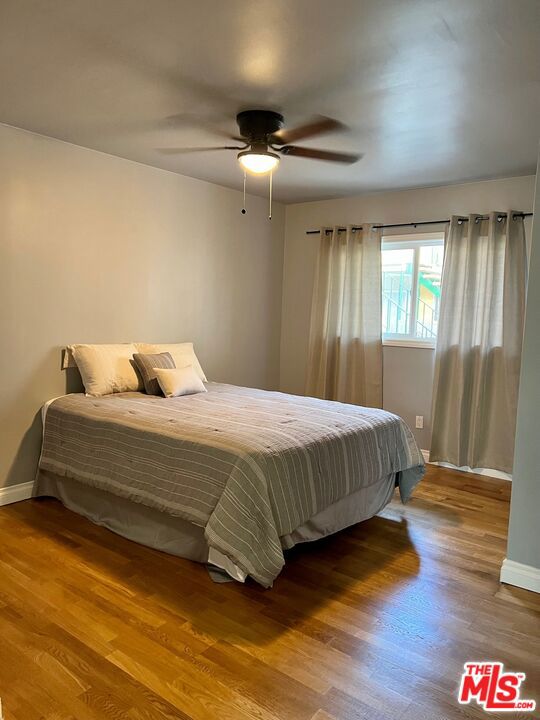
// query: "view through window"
[[411, 287]]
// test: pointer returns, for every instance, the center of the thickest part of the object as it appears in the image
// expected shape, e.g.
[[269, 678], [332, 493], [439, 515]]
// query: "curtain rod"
[[424, 222]]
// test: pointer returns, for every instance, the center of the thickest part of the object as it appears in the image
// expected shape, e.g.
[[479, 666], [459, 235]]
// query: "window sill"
[[426, 345]]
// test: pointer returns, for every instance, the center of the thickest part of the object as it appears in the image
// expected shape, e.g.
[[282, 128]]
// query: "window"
[[411, 288]]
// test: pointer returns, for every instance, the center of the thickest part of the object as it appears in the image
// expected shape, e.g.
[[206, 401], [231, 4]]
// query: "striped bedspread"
[[247, 465]]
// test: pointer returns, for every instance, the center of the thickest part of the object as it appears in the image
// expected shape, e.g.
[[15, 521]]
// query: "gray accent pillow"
[[146, 363]]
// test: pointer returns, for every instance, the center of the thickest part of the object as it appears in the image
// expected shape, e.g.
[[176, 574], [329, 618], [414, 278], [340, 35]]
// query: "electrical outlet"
[[420, 421]]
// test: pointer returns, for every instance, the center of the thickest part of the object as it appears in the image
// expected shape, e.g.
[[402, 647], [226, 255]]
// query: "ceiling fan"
[[264, 140]]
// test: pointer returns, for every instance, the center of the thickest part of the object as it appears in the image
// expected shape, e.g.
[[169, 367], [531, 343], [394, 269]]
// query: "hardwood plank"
[[373, 623]]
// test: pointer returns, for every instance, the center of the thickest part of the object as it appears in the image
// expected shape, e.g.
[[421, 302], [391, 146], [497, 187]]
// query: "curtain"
[[345, 349], [479, 341]]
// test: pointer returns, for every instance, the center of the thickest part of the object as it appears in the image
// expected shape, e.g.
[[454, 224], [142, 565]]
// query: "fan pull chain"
[[244, 211], [270, 208]]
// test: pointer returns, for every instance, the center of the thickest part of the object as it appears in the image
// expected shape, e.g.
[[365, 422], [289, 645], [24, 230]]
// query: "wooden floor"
[[374, 623]]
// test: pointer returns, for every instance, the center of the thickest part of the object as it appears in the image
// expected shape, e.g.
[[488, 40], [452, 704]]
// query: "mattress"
[[248, 467]]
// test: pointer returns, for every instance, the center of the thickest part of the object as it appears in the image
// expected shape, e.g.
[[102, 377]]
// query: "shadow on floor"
[[356, 567]]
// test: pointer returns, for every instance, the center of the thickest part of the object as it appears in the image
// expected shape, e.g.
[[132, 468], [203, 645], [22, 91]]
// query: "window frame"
[[413, 241]]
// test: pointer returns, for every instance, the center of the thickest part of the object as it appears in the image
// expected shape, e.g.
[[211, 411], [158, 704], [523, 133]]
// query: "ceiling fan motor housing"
[[258, 125]]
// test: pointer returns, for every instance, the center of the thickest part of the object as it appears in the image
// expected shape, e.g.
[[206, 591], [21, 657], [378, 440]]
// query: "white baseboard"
[[16, 493], [476, 471], [523, 576]]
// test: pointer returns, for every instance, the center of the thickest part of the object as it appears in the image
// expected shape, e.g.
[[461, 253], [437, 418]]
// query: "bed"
[[233, 476]]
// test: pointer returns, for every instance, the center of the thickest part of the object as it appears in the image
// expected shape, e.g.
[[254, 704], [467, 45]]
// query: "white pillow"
[[106, 369], [182, 353], [180, 381]]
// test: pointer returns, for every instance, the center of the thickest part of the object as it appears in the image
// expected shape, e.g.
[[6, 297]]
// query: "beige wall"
[[408, 373], [99, 249], [94, 248]]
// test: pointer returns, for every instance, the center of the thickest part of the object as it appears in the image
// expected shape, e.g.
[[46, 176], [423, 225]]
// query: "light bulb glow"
[[258, 162]]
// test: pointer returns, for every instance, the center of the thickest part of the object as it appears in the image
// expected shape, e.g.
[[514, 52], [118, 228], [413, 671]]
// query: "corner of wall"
[[522, 566]]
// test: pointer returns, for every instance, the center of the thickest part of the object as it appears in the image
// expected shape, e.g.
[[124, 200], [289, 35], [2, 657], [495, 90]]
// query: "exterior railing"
[[426, 321]]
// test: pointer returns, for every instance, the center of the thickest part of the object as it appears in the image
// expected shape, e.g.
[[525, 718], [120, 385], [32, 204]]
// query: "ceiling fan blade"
[[185, 151], [319, 125], [182, 120], [328, 155]]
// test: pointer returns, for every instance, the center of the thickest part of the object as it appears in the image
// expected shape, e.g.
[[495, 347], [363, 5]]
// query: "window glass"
[[411, 288], [429, 291], [397, 283]]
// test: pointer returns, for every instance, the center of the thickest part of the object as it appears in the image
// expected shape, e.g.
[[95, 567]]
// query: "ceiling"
[[433, 91]]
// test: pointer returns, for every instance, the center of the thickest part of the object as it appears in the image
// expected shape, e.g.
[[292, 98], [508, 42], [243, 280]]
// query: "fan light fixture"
[[261, 132], [259, 162]]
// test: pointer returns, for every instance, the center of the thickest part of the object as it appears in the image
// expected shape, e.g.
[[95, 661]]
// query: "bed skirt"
[[176, 536]]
